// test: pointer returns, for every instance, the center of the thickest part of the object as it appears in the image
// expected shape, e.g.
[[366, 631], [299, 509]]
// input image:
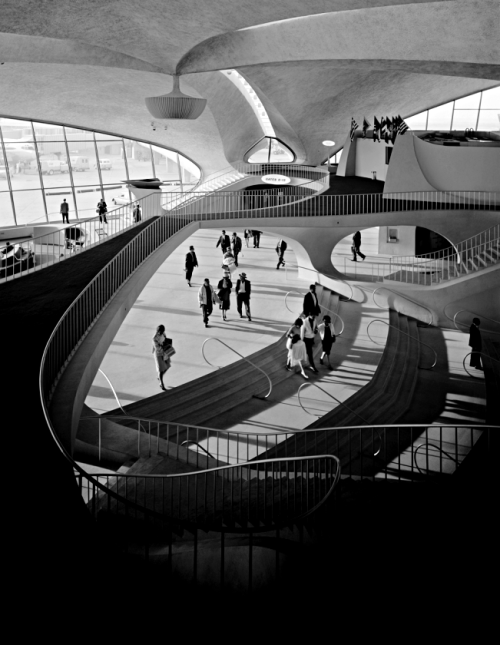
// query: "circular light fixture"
[[175, 105], [328, 143]]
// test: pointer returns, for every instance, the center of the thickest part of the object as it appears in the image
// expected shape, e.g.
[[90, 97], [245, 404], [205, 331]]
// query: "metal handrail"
[[490, 358], [341, 403], [113, 390], [409, 336], [322, 306], [485, 317], [428, 443], [241, 356], [405, 297], [190, 442]]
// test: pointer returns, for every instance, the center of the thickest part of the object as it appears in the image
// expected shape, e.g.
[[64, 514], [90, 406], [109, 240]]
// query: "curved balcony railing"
[[403, 297], [490, 358], [409, 336], [326, 275], [112, 390], [496, 322], [188, 444], [341, 403], [241, 356]]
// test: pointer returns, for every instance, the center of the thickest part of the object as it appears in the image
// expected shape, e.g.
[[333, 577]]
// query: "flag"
[[383, 123], [387, 137], [354, 125], [402, 127], [366, 125], [376, 129]]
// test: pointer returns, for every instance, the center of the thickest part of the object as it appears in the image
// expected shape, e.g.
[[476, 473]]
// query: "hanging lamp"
[[175, 105]]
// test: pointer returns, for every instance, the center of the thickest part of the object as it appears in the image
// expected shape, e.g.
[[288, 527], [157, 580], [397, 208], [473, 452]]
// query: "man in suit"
[[256, 239], [311, 305], [243, 290], [280, 250], [191, 262], [356, 243], [206, 298], [476, 344], [224, 241], [236, 244]]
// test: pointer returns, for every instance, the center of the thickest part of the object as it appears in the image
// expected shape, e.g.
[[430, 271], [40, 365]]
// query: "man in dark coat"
[[356, 243], [236, 244], [224, 242], [243, 290], [280, 250], [256, 239], [311, 305], [191, 262], [475, 343]]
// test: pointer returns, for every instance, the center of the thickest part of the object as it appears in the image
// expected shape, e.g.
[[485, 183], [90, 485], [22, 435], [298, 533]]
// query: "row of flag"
[[387, 129]]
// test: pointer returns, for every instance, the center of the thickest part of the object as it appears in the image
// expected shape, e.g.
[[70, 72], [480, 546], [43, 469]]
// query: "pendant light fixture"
[[175, 105]]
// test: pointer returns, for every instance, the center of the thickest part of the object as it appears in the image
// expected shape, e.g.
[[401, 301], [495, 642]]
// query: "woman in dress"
[[162, 363], [248, 235], [297, 354], [228, 261], [294, 329], [224, 294], [327, 333]]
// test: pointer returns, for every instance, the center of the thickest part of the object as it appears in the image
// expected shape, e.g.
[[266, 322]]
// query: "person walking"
[[162, 361], [224, 294], [137, 214], [236, 244], [190, 263], [65, 211], [307, 334], [311, 305], [476, 344], [243, 290], [224, 242], [296, 354], [356, 244], [294, 329], [206, 298], [248, 234], [102, 209], [280, 250], [327, 334]]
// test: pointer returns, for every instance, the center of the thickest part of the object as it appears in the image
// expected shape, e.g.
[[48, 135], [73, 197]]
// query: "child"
[[327, 333], [297, 353]]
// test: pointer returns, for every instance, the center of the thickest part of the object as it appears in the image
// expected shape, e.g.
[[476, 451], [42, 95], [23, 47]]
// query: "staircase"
[[207, 399]]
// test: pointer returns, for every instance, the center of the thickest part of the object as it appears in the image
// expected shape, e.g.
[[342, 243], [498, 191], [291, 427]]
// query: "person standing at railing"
[[327, 334], [65, 211], [206, 298], [102, 209], [236, 244], [356, 244], [159, 346], [224, 242], [190, 264], [137, 214], [243, 290], [280, 250], [476, 344]]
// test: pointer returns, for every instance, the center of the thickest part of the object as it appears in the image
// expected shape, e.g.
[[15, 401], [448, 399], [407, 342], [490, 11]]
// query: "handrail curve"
[[429, 443], [490, 358], [405, 297], [190, 442], [341, 403], [113, 390], [409, 336], [497, 322], [241, 356]]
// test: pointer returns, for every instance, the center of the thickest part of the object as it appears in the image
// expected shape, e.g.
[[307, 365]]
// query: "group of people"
[[101, 210], [208, 297], [301, 336]]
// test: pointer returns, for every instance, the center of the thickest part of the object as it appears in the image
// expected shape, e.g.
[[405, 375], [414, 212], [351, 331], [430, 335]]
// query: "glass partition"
[[270, 150]]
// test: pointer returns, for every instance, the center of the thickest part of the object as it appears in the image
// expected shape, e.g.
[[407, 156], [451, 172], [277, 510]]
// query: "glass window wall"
[[270, 150], [45, 163]]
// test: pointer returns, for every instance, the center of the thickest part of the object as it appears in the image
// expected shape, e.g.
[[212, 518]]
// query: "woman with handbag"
[[224, 295], [327, 334], [162, 358]]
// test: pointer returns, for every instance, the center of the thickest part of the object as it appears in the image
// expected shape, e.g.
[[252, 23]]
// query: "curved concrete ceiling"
[[314, 65]]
